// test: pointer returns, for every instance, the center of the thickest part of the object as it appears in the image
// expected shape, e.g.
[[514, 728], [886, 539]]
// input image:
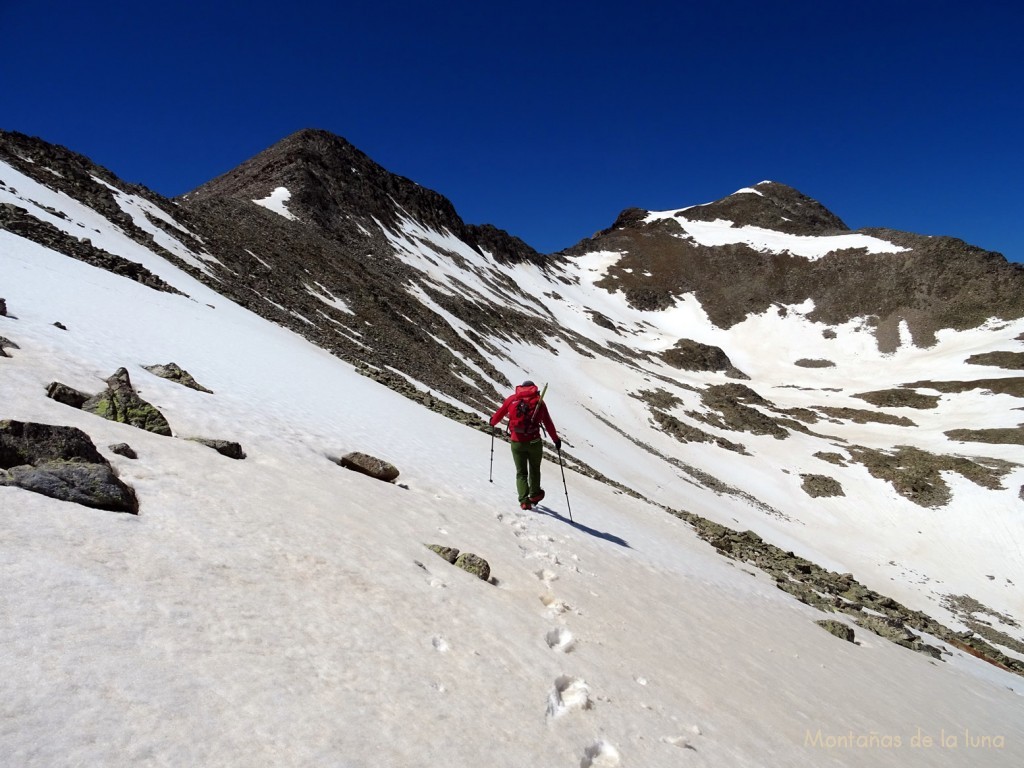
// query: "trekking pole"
[[490, 474], [567, 504]]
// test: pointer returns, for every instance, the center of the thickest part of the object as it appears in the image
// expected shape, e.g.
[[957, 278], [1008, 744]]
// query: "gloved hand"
[[558, 443]]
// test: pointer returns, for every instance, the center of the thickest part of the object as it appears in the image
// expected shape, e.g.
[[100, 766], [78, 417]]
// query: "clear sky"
[[548, 118]]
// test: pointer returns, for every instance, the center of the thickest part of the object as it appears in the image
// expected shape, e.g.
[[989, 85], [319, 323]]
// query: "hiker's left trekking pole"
[[566, 487], [490, 474]]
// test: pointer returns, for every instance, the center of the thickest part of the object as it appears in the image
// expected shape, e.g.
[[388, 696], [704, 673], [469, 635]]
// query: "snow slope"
[[916, 555], [282, 611], [722, 232]]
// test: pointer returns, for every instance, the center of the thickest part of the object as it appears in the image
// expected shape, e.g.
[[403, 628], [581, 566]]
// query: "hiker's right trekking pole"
[[566, 487], [490, 474]]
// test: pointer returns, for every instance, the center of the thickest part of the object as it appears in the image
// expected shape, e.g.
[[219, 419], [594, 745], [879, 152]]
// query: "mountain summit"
[[770, 205], [328, 181], [771, 246], [320, 178]]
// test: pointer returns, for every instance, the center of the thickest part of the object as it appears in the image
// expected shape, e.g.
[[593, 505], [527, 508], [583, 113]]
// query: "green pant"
[[527, 458]]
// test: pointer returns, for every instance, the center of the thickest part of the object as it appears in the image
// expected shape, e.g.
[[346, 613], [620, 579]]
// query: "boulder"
[[369, 465], [837, 628], [173, 372], [120, 402], [6, 344], [61, 326], [29, 443], [475, 564], [3, 308], [451, 554], [62, 393], [62, 463], [690, 355], [224, 447], [123, 449]]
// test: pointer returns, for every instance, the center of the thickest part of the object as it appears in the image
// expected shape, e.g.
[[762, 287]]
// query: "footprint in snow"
[[556, 607], [683, 742], [434, 581], [568, 694], [545, 575], [600, 754], [560, 639]]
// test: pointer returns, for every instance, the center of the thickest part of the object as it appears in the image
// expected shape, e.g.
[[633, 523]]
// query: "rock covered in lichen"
[[120, 402], [837, 628], [451, 554], [174, 372], [474, 564], [62, 393], [61, 463]]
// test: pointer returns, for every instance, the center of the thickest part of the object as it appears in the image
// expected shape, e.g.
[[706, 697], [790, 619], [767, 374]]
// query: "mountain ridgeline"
[[932, 283], [694, 341], [336, 268]]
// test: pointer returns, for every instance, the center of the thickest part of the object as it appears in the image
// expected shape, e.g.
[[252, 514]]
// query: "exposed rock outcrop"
[[933, 283], [899, 398], [174, 372], [62, 463], [120, 402], [770, 205], [689, 355], [830, 592], [817, 486], [467, 561], [474, 564], [62, 393], [22, 223], [837, 628], [6, 344], [917, 475], [227, 448], [123, 449], [1012, 361], [369, 465], [451, 554]]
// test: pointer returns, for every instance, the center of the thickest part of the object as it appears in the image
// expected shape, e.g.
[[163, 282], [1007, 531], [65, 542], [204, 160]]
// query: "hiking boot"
[[537, 497], [525, 505]]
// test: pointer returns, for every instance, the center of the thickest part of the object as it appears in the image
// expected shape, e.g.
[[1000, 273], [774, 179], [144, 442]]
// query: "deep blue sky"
[[548, 118]]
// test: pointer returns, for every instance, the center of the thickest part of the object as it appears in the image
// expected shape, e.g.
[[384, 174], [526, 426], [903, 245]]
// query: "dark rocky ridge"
[[940, 282], [81, 179], [772, 206], [337, 248], [20, 222], [333, 184]]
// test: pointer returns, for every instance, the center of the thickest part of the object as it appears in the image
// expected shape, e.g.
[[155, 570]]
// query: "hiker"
[[526, 413]]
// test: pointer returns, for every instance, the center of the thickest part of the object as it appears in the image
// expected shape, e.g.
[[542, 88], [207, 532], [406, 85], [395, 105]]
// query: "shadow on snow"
[[580, 527]]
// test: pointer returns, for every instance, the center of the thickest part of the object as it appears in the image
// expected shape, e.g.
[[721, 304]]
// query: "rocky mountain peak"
[[328, 180], [333, 185], [893, 279], [771, 205]]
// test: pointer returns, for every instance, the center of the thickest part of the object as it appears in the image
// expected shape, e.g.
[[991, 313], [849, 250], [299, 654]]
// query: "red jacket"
[[542, 416]]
